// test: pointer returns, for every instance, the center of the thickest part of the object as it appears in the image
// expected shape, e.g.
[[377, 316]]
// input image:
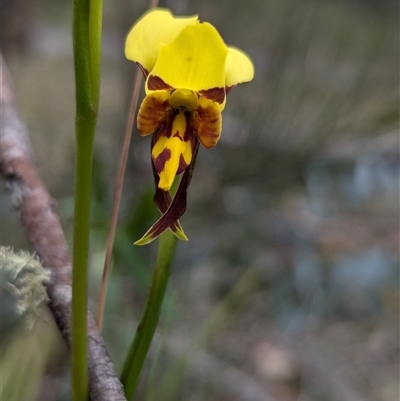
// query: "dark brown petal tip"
[[155, 83], [214, 94]]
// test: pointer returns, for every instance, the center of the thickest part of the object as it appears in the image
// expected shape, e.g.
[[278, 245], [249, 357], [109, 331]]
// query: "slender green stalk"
[[95, 26], [83, 177], [151, 312], [87, 17]]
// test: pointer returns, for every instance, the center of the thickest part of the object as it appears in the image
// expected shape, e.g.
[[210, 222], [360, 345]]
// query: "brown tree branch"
[[42, 226]]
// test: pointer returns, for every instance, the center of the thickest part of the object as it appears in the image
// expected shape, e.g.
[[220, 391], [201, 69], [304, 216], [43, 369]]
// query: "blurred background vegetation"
[[289, 286]]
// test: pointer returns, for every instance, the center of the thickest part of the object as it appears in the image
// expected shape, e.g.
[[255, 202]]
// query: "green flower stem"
[[87, 20], [151, 312], [84, 155], [95, 27]]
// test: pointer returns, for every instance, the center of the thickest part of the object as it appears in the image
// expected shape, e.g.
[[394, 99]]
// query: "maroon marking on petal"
[[154, 110], [207, 126], [176, 135], [166, 128], [144, 70], [152, 113], [182, 165], [208, 130], [155, 83], [161, 159], [215, 94]]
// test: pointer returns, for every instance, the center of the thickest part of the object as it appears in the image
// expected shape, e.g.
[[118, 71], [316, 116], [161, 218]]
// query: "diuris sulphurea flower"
[[189, 70]]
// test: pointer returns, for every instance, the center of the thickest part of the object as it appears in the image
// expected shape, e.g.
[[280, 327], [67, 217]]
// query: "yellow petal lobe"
[[195, 60], [239, 67], [156, 27]]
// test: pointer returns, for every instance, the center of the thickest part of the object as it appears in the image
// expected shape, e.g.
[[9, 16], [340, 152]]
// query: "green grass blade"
[[95, 28], [149, 319]]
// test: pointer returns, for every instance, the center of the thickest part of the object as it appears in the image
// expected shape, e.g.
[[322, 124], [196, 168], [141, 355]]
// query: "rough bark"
[[43, 229]]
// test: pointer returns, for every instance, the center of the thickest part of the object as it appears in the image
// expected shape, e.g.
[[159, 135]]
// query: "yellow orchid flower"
[[189, 70]]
